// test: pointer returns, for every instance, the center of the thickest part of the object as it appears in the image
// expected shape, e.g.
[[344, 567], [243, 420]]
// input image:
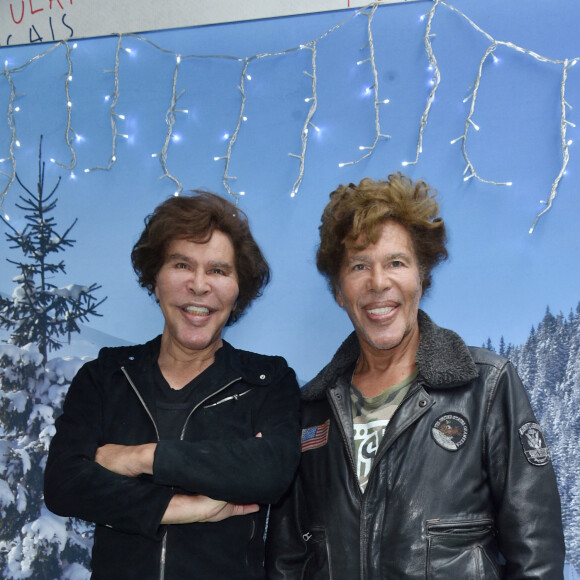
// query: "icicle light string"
[[435, 83], [244, 76], [369, 10], [470, 171], [8, 73], [113, 115], [170, 120], [313, 100], [234, 136], [564, 143], [374, 87], [13, 141], [114, 97], [69, 131]]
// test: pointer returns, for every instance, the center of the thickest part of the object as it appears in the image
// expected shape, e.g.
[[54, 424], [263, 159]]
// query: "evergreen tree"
[[526, 361], [552, 357], [33, 542], [502, 347], [39, 312], [549, 365]]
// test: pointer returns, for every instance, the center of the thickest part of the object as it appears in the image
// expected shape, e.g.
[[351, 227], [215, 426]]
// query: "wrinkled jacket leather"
[[112, 400], [482, 511]]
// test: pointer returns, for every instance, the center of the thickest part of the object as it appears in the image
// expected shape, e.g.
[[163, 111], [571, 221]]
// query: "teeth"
[[385, 310], [202, 310]]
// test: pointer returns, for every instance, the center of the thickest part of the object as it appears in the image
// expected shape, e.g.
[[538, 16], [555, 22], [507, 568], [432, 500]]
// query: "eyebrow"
[[177, 257], [187, 259]]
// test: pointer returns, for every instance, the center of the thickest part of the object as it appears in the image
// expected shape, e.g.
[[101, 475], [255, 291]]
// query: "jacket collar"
[[232, 362], [443, 360]]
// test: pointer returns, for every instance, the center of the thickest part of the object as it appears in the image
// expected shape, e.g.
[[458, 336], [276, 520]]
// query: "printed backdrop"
[[479, 100]]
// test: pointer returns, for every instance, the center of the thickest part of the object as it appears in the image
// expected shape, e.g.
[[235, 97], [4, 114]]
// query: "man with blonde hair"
[[421, 456]]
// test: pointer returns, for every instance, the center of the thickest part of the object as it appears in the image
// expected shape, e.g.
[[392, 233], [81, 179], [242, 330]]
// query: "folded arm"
[[135, 460]]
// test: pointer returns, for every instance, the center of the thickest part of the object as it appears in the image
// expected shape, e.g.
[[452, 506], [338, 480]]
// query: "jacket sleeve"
[[523, 485], [253, 470], [76, 486]]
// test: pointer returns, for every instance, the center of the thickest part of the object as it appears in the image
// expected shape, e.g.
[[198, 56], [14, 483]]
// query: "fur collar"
[[443, 360]]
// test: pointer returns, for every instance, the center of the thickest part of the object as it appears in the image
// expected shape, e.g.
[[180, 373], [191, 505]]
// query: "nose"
[[198, 283], [379, 280]]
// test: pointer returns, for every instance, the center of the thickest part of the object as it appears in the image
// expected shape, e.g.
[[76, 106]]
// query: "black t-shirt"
[[172, 406]]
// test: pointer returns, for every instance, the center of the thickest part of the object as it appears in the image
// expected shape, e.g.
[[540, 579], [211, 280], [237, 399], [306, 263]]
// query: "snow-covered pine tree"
[[551, 356], [33, 542], [565, 428], [39, 312], [549, 366]]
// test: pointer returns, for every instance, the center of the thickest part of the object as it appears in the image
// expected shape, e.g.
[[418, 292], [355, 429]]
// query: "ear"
[[338, 297]]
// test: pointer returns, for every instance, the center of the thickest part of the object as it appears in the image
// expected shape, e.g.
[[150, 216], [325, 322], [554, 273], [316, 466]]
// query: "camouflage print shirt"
[[370, 419]]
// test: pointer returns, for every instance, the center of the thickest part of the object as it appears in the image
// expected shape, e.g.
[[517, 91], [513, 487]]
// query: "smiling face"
[[197, 288], [380, 288]]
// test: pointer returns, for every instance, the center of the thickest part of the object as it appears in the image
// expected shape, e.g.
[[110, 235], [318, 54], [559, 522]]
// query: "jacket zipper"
[[164, 539], [346, 445], [353, 469], [380, 453], [203, 401], [163, 556], [363, 536]]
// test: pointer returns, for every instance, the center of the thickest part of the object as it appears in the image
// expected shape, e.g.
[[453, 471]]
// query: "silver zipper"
[[163, 556], [232, 398], [142, 401], [203, 401]]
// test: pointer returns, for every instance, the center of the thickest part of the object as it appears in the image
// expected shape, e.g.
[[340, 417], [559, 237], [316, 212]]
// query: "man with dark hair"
[[162, 444], [421, 457]]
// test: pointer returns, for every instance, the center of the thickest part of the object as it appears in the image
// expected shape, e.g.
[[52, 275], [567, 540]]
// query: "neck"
[[377, 370], [180, 365]]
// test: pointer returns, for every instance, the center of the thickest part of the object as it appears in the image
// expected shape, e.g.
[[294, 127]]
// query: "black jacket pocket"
[[465, 549]]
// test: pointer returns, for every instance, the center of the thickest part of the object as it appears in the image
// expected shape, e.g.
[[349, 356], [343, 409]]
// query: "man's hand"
[[129, 460], [186, 509]]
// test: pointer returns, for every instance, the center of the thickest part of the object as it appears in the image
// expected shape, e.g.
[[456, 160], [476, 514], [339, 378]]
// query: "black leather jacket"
[[461, 487], [112, 400]]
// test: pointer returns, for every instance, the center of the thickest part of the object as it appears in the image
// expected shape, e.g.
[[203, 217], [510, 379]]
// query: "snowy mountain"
[[85, 345]]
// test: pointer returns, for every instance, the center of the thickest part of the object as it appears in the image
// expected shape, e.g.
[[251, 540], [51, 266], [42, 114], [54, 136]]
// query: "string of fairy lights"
[[8, 164], [470, 171]]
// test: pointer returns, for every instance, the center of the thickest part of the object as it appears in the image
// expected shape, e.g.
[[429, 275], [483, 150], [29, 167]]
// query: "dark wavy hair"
[[361, 210], [195, 216]]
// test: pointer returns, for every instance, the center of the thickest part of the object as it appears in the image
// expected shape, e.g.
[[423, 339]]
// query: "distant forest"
[[549, 366]]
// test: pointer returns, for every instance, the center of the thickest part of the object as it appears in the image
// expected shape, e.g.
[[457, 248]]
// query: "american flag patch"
[[314, 437]]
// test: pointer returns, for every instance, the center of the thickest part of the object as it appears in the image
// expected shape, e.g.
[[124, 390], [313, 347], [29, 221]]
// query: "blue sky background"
[[499, 278]]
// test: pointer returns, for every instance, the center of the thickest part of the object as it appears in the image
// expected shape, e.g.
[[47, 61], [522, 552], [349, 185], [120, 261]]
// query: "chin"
[[386, 342]]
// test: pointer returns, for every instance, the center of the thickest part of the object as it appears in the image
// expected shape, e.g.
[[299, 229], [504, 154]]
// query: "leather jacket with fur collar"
[[461, 486]]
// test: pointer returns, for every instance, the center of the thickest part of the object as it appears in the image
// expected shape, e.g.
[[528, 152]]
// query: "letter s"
[[71, 30]]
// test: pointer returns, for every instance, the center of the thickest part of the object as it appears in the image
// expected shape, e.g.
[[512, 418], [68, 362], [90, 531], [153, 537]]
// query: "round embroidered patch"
[[534, 444], [450, 431]]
